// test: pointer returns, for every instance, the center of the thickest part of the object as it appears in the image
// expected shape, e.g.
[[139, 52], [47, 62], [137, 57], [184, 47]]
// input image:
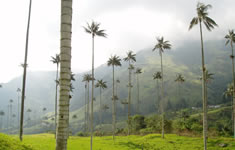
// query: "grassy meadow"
[[133, 142]]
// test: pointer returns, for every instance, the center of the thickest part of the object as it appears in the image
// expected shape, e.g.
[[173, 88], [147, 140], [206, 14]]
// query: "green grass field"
[[148, 142]]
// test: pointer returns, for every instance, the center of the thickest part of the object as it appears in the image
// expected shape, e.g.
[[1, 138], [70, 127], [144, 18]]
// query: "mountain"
[[185, 60]]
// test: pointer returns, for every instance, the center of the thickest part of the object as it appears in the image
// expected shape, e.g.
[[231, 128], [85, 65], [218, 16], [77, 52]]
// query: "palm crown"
[[87, 78], [138, 71], [230, 37], [202, 16], [94, 29], [179, 78], [157, 75], [114, 61], [130, 57], [56, 59], [101, 84], [162, 45]]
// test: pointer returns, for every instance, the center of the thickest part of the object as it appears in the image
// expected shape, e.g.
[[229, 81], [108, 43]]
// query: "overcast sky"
[[130, 25]]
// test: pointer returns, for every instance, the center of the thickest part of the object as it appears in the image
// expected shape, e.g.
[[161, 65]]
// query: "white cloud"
[[130, 25]]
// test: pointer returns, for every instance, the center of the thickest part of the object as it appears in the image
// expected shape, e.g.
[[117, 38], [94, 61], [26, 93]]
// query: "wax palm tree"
[[10, 106], [56, 60], [29, 111], [157, 76], [202, 16], [102, 85], [131, 57], [0, 86], [117, 82], [180, 80], [65, 75], [230, 39], [85, 104], [229, 93], [2, 113], [94, 30], [114, 61], [44, 109], [87, 78], [18, 108], [138, 71], [24, 75], [162, 45]]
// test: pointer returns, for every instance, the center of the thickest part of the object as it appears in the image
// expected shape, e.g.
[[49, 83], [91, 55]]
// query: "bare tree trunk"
[[18, 114], [88, 108], [100, 109], [162, 98], [24, 75], [65, 75], [138, 95], [92, 90], [129, 98], [204, 99], [85, 110], [56, 88], [233, 91], [113, 110]]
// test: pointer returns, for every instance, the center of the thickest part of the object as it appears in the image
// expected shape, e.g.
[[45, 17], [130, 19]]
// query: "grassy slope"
[[148, 142], [9, 143]]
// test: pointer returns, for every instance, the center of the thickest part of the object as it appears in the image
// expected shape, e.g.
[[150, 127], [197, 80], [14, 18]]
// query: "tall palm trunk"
[[85, 110], [129, 98], [65, 75], [204, 99], [24, 74], [100, 109], [18, 114], [162, 98], [56, 88], [233, 119], [113, 110], [88, 107], [92, 89], [138, 95]]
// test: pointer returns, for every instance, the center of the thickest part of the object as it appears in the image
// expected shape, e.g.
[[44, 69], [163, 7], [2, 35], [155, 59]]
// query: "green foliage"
[[82, 134], [137, 123], [9, 143]]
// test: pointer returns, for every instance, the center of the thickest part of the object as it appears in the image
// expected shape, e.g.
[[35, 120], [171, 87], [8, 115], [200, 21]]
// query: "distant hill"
[[185, 60]]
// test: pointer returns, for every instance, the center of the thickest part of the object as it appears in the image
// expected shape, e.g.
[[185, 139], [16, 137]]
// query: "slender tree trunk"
[[138, 95], [11, 123], [92, 90], [8, 111], [157, 98], [162, 99], [100, 109], [85, 110], [65, 75], [88, 108], [56, 88], [233, 91], [204, 99], [24, 74], [18, 114], [113, 109], [129, 98]]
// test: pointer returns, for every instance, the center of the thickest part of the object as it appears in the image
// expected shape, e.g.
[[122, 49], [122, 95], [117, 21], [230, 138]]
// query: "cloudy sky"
[[130, 25]]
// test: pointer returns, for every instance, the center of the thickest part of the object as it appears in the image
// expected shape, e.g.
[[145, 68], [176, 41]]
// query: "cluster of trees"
[[64, 81]]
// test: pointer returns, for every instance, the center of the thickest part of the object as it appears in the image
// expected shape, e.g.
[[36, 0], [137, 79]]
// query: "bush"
[[137, 123], [83, 134], [146, 131]]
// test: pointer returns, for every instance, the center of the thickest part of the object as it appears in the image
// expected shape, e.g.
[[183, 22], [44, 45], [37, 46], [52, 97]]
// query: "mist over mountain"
[[40, 87]]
